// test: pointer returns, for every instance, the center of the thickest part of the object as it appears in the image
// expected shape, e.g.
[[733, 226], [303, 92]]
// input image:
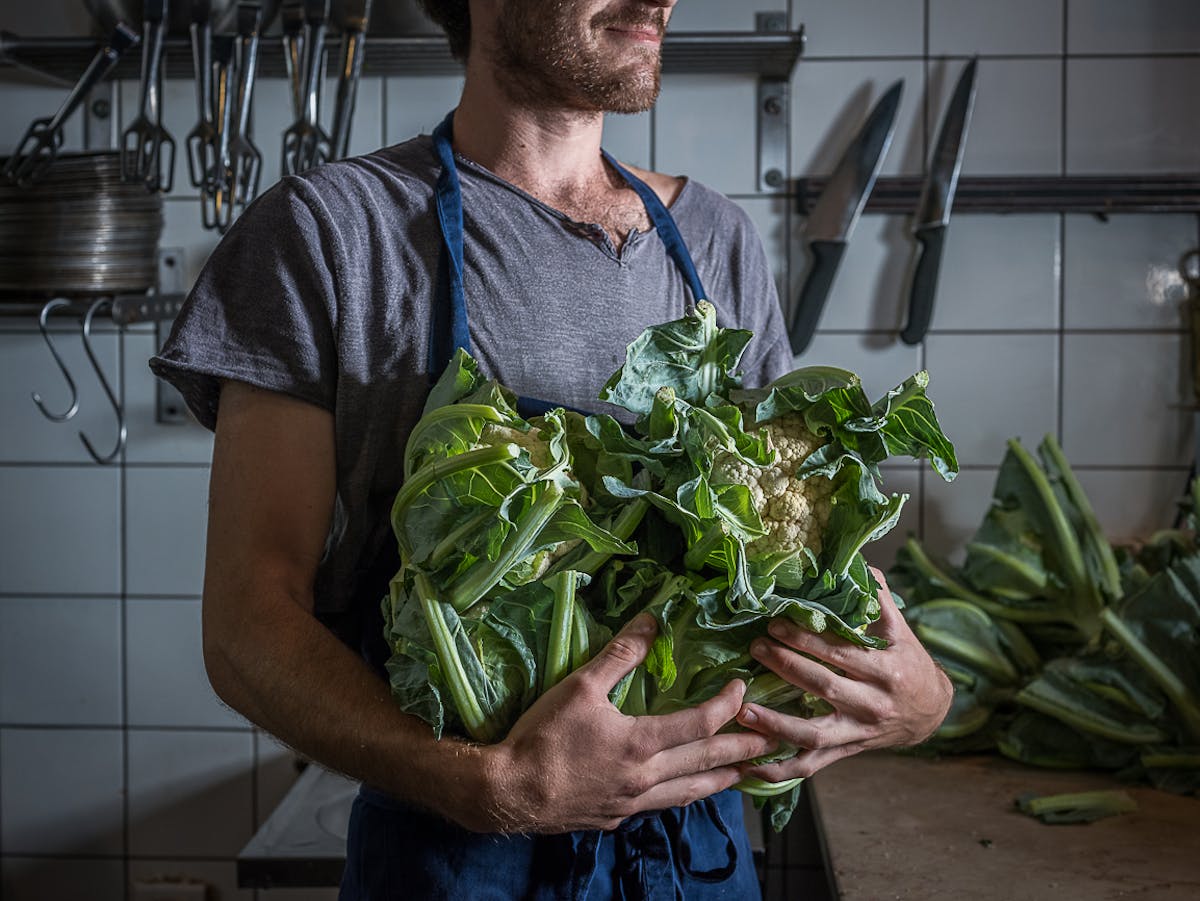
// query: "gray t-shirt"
[[324, 288]]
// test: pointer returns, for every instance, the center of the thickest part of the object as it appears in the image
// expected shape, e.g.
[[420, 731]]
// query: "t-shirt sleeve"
[[264, 308]]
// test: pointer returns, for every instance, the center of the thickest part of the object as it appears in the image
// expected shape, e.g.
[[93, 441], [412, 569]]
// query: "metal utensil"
[[216, 198], [291, 15], [245, 160], [39, 147], [305, 143], [937, 198], [355, 19], [147, 149], [837, 210], [202, 139]]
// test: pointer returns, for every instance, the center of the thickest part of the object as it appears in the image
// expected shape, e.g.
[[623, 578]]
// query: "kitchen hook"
[[112, 399], [43, 317]]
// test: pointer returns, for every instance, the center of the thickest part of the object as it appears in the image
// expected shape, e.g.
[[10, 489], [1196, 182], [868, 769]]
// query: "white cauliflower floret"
[[794, 511], [531, 441]]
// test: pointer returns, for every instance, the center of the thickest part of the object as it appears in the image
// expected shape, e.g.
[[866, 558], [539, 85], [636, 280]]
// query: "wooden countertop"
[[897, 827]]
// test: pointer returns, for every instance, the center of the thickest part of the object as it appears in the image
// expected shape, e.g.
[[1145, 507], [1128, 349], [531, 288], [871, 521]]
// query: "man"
[[308, 344]]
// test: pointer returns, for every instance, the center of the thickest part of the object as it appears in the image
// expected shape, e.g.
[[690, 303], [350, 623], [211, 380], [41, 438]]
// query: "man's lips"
[[648, 34]]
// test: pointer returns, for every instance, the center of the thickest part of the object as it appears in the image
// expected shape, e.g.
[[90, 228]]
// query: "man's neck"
[[540, 150]]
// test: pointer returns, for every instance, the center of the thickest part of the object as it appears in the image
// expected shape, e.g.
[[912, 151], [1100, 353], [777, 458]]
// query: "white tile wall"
[[60, 531], [79, 682], [998, 273], [1016, 123], [190, 793], [1123, 400], [831, 100], [981, 26], [993, 387], [685, 140], [861, 27], [1043, 323], [952, 511], [1136, 114], [1124, 272], [62, 791], [1148, 26], [166, 514], [164, 667], [870, 291]]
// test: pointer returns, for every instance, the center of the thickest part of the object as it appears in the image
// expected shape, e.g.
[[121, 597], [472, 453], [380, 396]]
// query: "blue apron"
[[394, 851]]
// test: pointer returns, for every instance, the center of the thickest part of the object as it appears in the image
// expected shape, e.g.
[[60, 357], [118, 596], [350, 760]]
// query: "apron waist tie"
[[652, 851]]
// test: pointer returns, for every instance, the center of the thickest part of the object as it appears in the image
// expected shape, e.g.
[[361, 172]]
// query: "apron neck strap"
[[448, 197], [664, 224]]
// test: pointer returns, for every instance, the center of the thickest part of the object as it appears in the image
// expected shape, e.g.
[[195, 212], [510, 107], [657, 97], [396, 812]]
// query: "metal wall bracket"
[[772, 114], [162, 308], [100, 117]]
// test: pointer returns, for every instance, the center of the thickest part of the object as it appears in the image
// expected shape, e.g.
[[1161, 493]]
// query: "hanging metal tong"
[[305, 143], [245, 160], [39, 147], [202, 140], [355, 19], [291, 15], [234, 179], [147, 149], [216, 194]]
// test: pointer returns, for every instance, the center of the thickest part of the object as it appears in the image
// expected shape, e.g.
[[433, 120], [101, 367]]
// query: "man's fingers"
[[620, 656], [819, 732], [686, 789], [722, 750], [803, 765], [671, 730], [890, 617], [813, 676], [851, 659]]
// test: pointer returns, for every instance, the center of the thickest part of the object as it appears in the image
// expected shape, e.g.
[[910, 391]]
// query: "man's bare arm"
[[270, 505], [573, 760]]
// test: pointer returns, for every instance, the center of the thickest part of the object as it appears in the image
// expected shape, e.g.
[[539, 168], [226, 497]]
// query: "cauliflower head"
[[794, 511]]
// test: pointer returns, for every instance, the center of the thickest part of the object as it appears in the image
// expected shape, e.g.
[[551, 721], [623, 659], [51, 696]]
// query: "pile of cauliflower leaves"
[[526, 544]]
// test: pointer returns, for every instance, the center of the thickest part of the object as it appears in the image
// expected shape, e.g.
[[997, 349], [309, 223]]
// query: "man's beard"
[[541, 55]]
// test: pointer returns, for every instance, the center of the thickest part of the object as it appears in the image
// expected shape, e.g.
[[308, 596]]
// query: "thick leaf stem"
[[427, 476], [437, 419], [1173, 687], [481, 577], [558, 650], [461, 691]]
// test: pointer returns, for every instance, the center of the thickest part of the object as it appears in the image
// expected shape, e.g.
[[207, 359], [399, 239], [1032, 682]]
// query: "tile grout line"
[[923, 352], [123, 526], [1060, 367]]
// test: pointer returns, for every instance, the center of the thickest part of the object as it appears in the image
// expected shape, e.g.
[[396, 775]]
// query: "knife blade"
[[837, 210], [933, 209]]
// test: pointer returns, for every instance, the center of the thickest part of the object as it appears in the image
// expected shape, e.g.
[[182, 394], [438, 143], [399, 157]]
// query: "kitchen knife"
[[837, 210], [933, 209]]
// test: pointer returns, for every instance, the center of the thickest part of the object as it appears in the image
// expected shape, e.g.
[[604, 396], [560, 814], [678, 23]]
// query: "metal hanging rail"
[[1097, 194]]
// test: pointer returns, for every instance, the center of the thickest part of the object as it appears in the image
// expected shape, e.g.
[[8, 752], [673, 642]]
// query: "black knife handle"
[[924, 284], [826, 257]]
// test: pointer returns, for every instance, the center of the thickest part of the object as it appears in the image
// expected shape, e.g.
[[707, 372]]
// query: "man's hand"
[[887, 698], [573, 761]]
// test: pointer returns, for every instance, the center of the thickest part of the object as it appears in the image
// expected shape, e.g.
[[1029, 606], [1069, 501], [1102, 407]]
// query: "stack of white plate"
[[79, 230]]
